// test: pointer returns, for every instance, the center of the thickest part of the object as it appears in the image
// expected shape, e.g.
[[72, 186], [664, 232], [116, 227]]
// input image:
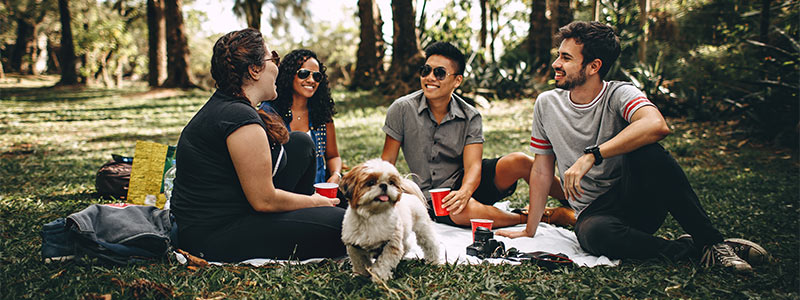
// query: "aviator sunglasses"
[[439, 72], [303, 74]]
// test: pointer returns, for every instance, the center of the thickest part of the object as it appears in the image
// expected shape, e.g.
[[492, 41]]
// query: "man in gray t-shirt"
[[442, 141], [621, 182]]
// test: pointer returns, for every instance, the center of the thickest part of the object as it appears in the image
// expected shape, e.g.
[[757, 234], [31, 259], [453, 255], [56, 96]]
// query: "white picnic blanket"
[[453, 242]]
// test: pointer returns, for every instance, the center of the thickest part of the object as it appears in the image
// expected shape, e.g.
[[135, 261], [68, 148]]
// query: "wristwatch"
[[594, 150]]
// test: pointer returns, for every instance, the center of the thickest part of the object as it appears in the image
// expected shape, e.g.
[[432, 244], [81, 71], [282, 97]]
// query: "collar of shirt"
[[454, 111]]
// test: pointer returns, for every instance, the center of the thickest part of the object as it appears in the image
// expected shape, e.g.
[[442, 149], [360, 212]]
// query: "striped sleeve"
[[540, 143], [631, 100]]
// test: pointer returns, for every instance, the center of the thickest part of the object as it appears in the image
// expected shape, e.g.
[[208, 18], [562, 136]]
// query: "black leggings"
[[299, 234], [621, 223]]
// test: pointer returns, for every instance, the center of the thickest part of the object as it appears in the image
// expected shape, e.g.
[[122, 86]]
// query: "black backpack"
[[113, 178]]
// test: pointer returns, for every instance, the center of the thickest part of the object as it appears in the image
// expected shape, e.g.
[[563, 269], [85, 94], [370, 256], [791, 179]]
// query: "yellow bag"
[[150, 162]]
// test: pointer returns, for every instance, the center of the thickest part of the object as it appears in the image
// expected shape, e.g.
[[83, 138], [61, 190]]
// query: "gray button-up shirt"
[[435, 152]]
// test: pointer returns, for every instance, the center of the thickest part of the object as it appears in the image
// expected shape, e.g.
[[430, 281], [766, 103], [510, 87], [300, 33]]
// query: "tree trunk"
[[369, 61], [644, 10], [564, 13], [157, 43], [22, 47], [596, 10], [253, 13], [482, 35], [407, 56], [178, 73], [68, 74], [539, 37], [764, 26]]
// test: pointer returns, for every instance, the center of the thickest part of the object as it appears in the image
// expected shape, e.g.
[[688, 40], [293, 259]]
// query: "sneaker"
[[722, 254], [751, 252]]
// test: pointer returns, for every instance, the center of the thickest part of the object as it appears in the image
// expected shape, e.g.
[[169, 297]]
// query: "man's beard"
[[568, 83]]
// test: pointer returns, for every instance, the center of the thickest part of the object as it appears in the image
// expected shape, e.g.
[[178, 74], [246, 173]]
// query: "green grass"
[[53, 141]]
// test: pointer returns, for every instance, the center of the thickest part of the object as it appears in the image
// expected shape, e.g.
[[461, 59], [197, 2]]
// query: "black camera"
[[484, 245]]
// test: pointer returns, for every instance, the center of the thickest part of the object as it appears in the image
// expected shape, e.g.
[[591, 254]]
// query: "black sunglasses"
[[303, 74], [439, 72], [275, 58]]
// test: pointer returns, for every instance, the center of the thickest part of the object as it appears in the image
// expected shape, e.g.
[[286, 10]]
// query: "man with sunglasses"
[[442, 141]]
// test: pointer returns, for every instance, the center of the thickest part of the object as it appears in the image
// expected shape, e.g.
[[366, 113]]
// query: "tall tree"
[[178, 73], [157, 43], [539, 38], [407, 56], [644, 11], [28, 14], [277, 12], [251, 9], [369, 61], [482, 33], [68, 74]]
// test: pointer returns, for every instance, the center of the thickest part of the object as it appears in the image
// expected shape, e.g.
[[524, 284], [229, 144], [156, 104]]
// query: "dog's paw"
[[379, 276]]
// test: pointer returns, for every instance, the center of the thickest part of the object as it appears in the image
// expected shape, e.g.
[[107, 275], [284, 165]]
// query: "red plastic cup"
[[437, 195], [485, 223], [327, 189]]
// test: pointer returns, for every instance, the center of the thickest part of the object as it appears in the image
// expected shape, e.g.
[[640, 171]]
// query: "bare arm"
[[541, 179], [647, 126], [250, 153], [457, 200], [391, 148], [333, 160]]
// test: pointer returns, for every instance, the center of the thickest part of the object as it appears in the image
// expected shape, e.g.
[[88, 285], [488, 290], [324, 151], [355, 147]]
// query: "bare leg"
[[477, 210], [516, 166]]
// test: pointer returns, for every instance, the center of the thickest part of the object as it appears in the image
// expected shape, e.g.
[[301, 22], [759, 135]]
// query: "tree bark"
[[407, 56], [482, 35], [369, 62], [68, 74], [764, 26], [564, 13], [22, 46], [157, 43], [253, 12], [596, 10], [178, 73], [539, 37], [644, 10]]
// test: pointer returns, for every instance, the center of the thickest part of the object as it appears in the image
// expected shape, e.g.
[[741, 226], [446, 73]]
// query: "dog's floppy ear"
[[348, 182]]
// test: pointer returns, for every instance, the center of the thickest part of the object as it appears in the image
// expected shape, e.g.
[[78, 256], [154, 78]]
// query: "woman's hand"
[[335, 177], [321, 200]]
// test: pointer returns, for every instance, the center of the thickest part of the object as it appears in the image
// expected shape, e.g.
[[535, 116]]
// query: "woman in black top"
[[242, 190]]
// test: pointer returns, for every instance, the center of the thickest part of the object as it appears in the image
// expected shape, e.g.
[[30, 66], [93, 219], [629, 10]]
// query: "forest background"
[[699, 59]]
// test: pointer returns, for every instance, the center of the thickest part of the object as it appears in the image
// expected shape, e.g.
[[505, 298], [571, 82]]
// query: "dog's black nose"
[[383, 186]]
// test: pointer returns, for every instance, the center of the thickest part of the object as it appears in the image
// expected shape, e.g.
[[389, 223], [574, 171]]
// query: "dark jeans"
[[621, 223], [299, 234]]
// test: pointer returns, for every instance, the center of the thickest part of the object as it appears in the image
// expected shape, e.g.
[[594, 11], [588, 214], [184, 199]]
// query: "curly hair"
[[598, 39], [234, 53], [320, 105]]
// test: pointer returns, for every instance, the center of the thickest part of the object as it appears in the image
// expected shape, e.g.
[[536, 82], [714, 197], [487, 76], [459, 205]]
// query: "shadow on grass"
[[57, 94], [130, 136]]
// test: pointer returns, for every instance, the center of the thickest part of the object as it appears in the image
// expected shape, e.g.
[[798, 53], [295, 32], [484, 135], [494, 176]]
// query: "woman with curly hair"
[[245, 186], [305, 104]]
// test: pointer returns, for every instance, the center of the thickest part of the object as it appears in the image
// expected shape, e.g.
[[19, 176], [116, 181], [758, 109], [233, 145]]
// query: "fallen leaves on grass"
[[145, 289]]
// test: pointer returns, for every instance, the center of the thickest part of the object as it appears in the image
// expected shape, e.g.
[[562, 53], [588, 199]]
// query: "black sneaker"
[[722, 254], [751, 252]]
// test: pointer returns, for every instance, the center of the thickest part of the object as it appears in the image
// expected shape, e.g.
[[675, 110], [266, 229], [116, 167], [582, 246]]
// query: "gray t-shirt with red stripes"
[[563, 128]]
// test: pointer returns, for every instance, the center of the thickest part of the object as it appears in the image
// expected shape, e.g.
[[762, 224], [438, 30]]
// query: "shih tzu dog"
[[384, 209]]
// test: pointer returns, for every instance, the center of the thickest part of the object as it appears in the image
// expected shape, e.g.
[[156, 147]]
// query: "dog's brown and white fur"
[[384, 209]]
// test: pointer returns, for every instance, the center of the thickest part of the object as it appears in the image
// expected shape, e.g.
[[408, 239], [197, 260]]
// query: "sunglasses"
[[303, 74], [275, 58], [439, 72]]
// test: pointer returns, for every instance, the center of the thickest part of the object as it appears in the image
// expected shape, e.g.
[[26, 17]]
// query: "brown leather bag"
[[112, 180]]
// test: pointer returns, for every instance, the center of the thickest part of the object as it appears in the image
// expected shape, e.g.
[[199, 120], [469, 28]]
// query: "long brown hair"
[[234, 53]]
